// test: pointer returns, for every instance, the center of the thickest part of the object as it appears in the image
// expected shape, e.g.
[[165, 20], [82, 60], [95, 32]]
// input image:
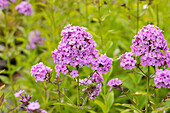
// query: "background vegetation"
[[113, 24]]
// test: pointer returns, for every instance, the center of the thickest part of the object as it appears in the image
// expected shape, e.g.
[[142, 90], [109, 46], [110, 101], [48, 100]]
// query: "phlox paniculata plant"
[[149, 49], [75, 50]]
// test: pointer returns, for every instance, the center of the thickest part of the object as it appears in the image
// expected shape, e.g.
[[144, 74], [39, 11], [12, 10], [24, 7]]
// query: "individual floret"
[[74, 73]]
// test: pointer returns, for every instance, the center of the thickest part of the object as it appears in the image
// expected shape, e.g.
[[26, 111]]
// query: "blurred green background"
[[115, 21]]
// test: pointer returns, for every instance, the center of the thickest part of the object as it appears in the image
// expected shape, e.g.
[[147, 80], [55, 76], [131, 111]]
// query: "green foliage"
[[116, 26]]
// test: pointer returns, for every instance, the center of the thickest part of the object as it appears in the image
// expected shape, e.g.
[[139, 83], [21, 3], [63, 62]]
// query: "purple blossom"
[[23, 98], [24, 8], [33, 106], [153, 59], [74, 73], [42, 111], [17, 94], [167, 58], [4, 4], [35, 38], [13, 1], [127, 61], [114, 83], [77, 48], [92, 85], [102, 65], [162, 78], [149, 38], [61, 68], [40, 71]]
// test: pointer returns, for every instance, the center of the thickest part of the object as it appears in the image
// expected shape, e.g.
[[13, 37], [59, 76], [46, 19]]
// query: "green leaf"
[[101, 105], [110, 100], [5, 79], [66, 104], [95, 19], [141, 93], [129, 106], [104, 16], [9, 111], [108, 46], [2, 87], [160, 109]]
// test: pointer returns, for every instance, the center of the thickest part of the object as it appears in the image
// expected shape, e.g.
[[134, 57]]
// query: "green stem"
[[157, 14], [147, 100], [87, 20], [62, 93], [100, 24], [78, 94], [8, 58], [137, 16], [130, 99]]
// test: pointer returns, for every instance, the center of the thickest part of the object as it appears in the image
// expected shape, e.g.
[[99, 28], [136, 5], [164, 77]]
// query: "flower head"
[[4, 4], [33, 106], [17, 94], [13, 1], [149, 38], [77, 49], [35, 38], [24, 8], [102, 64], [167, 58], [162, 78], [114, 83], [92, 85], [40, 71], [42, 111], [127, 61]]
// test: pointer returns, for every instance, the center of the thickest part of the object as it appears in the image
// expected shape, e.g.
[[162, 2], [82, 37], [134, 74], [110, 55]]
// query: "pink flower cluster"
[[24, 8], [5, 3], [150, 45], [40, 72], [35, 38], [92, 85], [162, 78], [127, 61], [26, 104], [77, 48], [114, 83]]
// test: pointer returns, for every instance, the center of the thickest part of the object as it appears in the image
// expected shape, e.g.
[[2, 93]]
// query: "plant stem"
[[141, 70], [157, 15], [78, 95], [100, 24], [147, 100], [87, 20], [62, 93], [137, 16], [130, 99], [8, 57]]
